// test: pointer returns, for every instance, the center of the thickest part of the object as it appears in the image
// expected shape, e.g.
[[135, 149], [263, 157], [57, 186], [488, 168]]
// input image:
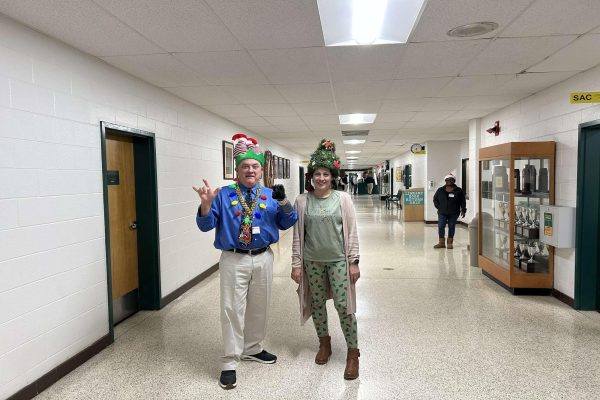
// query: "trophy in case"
[[543, 181], [517, 176], [529, 178], [500, 179], [517, 253], [532, 249]]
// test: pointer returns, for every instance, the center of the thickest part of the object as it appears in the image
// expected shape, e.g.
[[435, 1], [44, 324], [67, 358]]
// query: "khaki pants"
[[370, 188], [245, 298]]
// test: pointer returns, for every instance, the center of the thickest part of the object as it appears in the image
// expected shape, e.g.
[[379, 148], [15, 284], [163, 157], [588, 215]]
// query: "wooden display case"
[[514, 180]]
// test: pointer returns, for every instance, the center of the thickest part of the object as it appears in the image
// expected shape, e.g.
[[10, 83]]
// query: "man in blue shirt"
[[247, 218]]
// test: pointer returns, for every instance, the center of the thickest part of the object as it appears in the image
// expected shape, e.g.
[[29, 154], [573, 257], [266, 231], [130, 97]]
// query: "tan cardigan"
[[350, 249]]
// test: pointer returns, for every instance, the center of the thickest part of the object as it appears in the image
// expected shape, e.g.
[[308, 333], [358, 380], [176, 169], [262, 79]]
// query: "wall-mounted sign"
[[548, 224], [112, 177], [414, 198], [417, 149], [585, 97]]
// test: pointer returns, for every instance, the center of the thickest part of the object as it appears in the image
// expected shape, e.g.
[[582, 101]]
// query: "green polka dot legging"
[[338, 279]]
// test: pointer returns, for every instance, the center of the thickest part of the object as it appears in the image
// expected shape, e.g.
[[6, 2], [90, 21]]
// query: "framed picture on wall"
[[275, 166], [287, 169], [228, 169]]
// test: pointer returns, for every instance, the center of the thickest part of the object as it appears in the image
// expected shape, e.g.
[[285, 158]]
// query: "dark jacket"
[[448, 204], [369, 179]]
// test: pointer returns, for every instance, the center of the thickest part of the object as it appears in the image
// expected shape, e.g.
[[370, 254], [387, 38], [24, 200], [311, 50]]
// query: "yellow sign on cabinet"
[[585, 97]]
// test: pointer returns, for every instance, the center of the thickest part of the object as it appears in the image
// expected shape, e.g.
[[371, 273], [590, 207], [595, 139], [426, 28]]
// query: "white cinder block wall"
[[53, 297], [418, 168], [548, 115]]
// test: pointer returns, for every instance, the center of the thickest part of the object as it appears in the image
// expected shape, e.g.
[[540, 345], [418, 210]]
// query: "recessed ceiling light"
[[357, 119], [475, 29], [353, 151], [354, 141], [372, 21]]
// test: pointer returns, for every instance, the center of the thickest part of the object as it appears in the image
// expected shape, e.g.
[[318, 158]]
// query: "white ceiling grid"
[[263, 65]]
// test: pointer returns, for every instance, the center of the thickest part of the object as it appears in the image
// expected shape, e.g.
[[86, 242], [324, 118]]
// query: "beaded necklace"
[[245, 235]]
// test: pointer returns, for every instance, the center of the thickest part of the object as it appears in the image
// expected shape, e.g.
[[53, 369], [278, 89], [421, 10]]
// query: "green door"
[[587, 255], [301, 179]]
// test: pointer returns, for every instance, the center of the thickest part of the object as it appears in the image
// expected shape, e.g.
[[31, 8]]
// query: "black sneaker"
[[227, 379], [263, 357]]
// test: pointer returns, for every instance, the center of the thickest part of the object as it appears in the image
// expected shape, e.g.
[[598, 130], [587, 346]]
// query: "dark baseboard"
[[519, 291], [564, 298], [187, 286], [50, 378]]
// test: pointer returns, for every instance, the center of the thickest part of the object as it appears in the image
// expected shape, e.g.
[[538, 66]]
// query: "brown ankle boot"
[[324, 350], [351, 371], [450, 243], [441, 244]]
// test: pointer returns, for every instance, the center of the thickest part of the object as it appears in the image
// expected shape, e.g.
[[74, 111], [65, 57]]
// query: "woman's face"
[[322, 179]]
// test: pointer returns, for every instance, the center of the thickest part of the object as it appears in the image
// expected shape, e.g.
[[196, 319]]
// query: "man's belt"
[[252, 252]]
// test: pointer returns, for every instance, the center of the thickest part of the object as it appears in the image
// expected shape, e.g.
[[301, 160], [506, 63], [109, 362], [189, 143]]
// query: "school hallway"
[[430, 327]]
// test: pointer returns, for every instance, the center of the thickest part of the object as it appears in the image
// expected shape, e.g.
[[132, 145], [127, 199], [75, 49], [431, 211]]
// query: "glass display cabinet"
[[514, 180]]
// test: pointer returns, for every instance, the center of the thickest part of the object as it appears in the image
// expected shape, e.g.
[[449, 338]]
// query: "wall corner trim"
[[564, 298]]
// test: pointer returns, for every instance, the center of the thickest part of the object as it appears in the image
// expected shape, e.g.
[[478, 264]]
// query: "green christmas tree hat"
[[324, 157]]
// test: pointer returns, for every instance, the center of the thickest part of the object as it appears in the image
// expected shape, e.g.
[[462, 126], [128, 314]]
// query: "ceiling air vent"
[[355, 133]]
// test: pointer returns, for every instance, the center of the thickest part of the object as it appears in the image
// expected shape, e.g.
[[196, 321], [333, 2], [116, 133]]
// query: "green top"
[[323, 238]]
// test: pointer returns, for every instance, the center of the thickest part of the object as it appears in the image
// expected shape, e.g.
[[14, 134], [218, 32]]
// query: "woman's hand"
[[354, 273], [297, 274]]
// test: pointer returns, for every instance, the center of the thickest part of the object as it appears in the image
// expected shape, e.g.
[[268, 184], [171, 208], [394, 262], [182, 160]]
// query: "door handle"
[[133, 226]]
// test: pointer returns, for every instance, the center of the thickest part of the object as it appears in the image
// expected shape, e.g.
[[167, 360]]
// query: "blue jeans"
[[449, 219]]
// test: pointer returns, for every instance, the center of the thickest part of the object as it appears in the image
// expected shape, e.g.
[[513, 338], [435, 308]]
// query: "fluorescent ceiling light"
[[366, 22], [353, 151], [357, 119], [351, 158], [354, 141]]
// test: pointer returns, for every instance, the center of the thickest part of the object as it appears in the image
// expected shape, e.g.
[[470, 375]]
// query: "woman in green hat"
[[325, 255]]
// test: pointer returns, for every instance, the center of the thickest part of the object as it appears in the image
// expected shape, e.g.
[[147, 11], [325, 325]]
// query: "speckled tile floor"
[[430, 327]]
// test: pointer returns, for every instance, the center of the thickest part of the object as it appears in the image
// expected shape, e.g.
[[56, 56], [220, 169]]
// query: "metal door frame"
[[147, 210]]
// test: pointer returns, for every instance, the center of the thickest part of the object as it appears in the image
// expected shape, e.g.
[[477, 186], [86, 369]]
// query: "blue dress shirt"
[[269, 220]]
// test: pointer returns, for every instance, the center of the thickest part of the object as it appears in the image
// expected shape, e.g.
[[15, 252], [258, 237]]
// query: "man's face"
[[449, 182], [249, 172]]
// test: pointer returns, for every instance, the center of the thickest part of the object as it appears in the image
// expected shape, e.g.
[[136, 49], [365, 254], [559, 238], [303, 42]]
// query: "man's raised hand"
[[206, 193]]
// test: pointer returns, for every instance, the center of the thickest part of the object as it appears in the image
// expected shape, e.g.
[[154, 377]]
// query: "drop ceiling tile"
[[186, 26], [271, 24], [306, 93], [424, 60], [556, 17], [159, 69], [272, 110], [431, 116], [316, 120], [224, 67], [445, 103], [497, 102], [288, 66], [580, 55], [231, 110], [513, 55], [423, 87], [267, 130], [402, 105], [250, 122], [82, 24], [529, 83], [357, 106], [364, 63], [440, 16], [287, 120], [475, 85], [315, 108], [203, 95], [255, 94], [470, 114], [371, 90], [395, 117]]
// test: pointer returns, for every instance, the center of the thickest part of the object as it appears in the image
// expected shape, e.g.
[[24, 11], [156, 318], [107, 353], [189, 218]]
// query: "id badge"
[[256, 230], [451, 195]]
